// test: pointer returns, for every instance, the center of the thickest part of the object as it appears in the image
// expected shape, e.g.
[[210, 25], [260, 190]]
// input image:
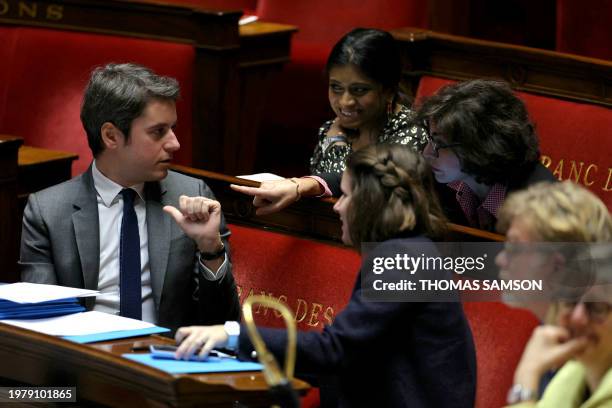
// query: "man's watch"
[[209, 256], [519, 393], [232, 329]]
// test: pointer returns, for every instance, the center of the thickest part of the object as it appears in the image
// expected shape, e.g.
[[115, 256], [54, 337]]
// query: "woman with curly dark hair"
[[481, 146]]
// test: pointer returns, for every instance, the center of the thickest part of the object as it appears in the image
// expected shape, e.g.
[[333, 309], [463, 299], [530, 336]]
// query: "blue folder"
[[119, 334], [210, 365], [13, 310]]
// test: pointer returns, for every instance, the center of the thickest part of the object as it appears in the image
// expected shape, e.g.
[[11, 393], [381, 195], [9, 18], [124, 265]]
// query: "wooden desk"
[[102, 376], [41, 168]]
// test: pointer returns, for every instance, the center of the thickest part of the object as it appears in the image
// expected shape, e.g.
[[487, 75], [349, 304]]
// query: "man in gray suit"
[[73, 233]]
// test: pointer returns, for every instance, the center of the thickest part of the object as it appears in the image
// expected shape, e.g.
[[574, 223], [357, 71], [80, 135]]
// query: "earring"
[[389, 111]]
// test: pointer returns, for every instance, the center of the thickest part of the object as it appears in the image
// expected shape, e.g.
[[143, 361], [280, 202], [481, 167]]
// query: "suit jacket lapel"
[[87, 231], [159, 235]]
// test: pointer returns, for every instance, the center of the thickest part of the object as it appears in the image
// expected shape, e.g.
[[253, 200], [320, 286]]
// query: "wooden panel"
[[542, 72], [11, 222], [310, 217], [204, 29], [233, 65], [42, 168]]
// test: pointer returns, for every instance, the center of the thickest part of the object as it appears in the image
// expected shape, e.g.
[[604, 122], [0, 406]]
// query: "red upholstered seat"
[[247, 5], [297, 104], [574, 137], [584, 28], [315, 280], [43, 73], [326, 21], [500, 334]]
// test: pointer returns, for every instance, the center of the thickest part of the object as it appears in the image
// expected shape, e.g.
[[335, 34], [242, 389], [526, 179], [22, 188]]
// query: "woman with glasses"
[[481, 147], [563, 232], [581, 344], [364, 71]]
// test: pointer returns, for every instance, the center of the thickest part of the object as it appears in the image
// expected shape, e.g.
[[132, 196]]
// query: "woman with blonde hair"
[[578, 270]]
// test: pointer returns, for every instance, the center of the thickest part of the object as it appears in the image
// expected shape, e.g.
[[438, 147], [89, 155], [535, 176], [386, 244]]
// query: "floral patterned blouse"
[[399, 129]]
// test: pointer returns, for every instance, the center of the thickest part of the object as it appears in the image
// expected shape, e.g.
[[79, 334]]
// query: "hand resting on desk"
[[203, 338]]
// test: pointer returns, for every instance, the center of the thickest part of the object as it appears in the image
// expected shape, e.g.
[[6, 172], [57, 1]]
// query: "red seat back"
[[44, 72], [324, 22], [500, 334], [291, 119], [584, 29], [314, 279], [574, 137], [246, 5]]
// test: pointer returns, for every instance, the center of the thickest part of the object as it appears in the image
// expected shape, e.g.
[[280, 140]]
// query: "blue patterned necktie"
[[130, 299]]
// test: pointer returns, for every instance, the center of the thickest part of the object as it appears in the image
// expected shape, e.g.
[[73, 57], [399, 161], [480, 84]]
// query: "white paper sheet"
[[25, 292], [262, 177], [80, 324]]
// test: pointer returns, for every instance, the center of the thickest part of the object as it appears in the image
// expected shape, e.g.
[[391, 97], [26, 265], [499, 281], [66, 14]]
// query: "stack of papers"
[[25, 292], [54, 310], [88, 327], [13, 310], [31, 300]]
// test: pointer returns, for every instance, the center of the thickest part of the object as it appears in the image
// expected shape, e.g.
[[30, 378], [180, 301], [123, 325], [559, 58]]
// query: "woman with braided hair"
[[384, 349]]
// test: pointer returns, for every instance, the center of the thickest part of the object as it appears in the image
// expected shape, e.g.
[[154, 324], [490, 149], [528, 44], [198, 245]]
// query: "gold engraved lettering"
[[608, 186], [251, 292], [283, 299], [575, 171], [55, 12], [546, 160], [328, 315], [260, 306], [588, 182], [314, 314], [4, 7], [29, 9], [301, 303], [559, 170]]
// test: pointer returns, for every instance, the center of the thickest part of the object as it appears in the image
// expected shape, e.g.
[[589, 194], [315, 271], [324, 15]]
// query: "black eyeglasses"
[[597, 311], [435, 145]]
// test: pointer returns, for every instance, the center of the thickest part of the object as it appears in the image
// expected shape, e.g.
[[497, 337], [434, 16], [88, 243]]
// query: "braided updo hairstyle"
[[392, 193]]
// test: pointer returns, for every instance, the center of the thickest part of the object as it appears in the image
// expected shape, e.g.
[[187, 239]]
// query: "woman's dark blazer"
[[388, 354]]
